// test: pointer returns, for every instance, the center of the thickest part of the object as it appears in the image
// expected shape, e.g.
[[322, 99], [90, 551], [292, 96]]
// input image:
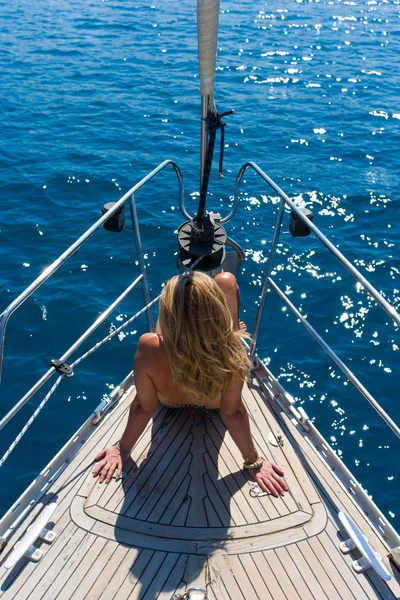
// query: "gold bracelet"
[[255, 465], [253, 449]]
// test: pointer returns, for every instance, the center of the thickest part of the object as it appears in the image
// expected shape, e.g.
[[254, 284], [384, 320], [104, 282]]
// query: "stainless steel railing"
[[269, 283], [100, 319], [48, 272]]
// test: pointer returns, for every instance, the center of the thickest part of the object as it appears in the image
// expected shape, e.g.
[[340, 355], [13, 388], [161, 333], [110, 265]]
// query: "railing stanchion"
[[268, 271], [142, 266]]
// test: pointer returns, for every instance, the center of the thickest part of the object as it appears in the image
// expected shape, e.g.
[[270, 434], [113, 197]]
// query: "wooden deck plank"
[[254, 576], [174, 582], [288, 457], [294, 574], [172, 496], [61, 572], [90, 482], [138, 454], [238, 507], [158, 458], [105, 575], [69, 480], [35, 574], [141, 575], [165, 488], [260, 510], [219, 499], [213, 519], [319, 472], [152, 436], [216, 589], [319, 572], [105, 434], [158, 576], [263, 506], [196, 572], [334, 497], [280, 573], [222, 565], [196, 516], [181, 514], [24, 570], [172, 510], [267, 574], [363, 579], [219, 478], [86, 572], [131, 573], [306, 572], [124, 576], [244, 582], [260, 429], [319, 546], [332, 490]]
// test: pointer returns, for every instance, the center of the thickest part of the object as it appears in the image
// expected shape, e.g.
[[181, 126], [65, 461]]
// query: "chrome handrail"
[[393, 314], [5, 316], [100, 319], [268, 281], [349, 374]]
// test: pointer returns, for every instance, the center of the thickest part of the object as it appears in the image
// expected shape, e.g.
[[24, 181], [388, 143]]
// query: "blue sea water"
[[95, 94]]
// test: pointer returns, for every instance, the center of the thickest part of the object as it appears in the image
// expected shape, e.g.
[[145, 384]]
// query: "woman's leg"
[[227, 283]]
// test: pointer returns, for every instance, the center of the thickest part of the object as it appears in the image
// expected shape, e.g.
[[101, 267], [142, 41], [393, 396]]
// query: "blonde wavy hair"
[[205, 351]]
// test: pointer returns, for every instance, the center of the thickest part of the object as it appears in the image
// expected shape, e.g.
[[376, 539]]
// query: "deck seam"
[[312, 569], [327, 558], [268, 511], [145, 500], [262, 556], [226, 467], [239, 470], [87, 539], [293, 565], [157, 451], [115, 575]]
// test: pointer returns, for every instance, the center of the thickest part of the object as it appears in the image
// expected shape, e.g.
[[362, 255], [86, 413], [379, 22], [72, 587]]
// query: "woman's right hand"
[[110, 461], [270, 478]]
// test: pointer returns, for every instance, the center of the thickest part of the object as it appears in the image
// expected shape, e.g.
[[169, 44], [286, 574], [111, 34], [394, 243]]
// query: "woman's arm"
[[236, 419], [141, 411]]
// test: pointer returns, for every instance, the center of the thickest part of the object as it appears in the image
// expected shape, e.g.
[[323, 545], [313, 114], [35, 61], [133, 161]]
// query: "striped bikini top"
[[207, 412]]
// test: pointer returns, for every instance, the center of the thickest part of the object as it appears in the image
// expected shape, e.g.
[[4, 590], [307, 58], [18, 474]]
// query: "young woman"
[[196, 357]]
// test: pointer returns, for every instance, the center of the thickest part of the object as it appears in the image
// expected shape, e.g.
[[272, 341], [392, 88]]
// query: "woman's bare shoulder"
[[149, 348], [149, 340]]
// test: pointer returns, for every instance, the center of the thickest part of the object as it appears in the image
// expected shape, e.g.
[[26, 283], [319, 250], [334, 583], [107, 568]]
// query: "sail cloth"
[[207, 29]]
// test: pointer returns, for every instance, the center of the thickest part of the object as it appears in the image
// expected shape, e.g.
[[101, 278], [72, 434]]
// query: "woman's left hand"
[[269, 478]]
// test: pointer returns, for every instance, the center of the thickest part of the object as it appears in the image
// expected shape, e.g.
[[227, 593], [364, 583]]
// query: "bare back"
[[158, 369]]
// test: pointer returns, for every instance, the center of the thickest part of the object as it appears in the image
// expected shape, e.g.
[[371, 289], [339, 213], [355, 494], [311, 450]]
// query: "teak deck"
[[184, 517]]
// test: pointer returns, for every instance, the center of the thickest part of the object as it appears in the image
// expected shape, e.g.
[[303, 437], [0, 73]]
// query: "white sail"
[[207, 27]]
